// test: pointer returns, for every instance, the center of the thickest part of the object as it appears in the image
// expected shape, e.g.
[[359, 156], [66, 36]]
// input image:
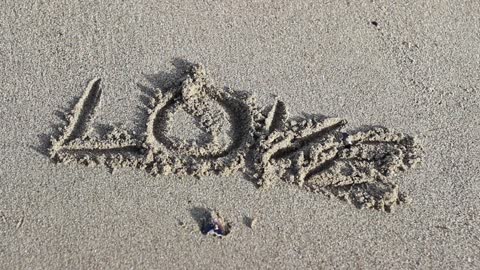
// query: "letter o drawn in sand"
[[224, 118]]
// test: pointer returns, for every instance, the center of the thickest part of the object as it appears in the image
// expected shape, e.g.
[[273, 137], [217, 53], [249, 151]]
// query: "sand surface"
[[412, 67]]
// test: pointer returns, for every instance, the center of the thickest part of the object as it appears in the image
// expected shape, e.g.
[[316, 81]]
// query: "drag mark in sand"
[[234, 134]]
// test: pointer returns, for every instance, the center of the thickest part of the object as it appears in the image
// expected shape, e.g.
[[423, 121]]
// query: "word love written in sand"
[[230, 132]]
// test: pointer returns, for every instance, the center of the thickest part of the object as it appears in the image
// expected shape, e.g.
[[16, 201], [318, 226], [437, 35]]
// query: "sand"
[[119, 147], [264, 144]]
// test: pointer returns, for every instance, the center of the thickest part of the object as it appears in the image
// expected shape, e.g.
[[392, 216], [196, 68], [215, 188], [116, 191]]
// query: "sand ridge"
[[264, 143]]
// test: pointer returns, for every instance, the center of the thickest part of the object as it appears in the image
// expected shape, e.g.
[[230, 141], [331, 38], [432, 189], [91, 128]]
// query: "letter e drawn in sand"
[[238, 135]]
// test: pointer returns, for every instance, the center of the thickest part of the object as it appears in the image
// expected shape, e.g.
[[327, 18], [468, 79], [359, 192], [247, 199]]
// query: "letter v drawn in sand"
[[235, 134]]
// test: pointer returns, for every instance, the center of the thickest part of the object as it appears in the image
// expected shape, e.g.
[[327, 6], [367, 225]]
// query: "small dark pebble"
[[249, 222], [216, 225]]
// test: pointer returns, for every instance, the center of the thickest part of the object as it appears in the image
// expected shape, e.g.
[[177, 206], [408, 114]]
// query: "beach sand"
[[412, 67]]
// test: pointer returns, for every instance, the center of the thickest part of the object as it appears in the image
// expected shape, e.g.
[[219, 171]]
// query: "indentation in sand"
[[196, 128]]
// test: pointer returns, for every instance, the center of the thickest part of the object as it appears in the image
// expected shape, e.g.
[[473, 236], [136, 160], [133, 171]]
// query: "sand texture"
[[214, 134], [309, 152]]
